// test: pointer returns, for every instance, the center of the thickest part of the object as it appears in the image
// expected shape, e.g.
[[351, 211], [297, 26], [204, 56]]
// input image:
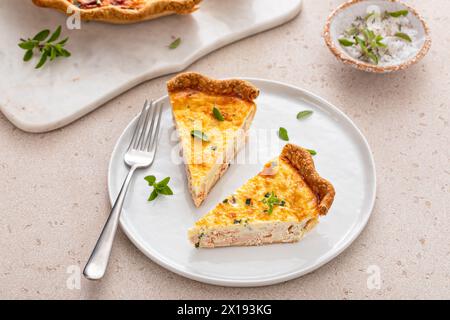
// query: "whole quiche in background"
[[121, 11]]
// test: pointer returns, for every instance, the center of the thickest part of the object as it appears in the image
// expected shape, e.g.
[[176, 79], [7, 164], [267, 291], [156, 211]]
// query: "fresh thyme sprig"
[[46, 46], [369, 44]]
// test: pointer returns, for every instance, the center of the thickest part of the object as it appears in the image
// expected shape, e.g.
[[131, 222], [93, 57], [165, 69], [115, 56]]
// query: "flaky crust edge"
[[194, 81], [301, 160], [115, 14]]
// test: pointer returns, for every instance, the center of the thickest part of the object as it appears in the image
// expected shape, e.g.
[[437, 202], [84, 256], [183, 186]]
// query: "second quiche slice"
[[279, 205], [212, 118]]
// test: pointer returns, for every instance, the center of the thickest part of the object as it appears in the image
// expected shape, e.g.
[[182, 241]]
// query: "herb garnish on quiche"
[[279, 205], [212, 119], [121, 11]]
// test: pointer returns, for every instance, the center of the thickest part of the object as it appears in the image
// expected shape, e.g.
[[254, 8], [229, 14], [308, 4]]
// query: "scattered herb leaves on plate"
[[48, 49], [283, 134], [158, 187], [304, 114], [312, 152]]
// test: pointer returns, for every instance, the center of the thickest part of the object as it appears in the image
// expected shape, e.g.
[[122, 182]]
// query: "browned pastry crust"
[[150, 9], [195, 81], [302, 161]]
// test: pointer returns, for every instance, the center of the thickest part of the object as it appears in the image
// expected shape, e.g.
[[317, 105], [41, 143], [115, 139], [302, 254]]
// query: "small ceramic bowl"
[[344, 15]]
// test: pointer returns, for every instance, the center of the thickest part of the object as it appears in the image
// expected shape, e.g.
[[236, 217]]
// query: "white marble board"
[[110, 59]]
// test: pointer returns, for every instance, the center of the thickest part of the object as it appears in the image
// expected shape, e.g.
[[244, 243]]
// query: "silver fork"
[[140, 154]]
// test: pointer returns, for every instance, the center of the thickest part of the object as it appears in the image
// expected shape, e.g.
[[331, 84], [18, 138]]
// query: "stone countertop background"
[[53, 194]]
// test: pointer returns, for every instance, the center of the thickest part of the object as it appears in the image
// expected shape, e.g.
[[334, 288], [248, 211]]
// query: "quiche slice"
[[212, 118], [279, 205], [121, 11]]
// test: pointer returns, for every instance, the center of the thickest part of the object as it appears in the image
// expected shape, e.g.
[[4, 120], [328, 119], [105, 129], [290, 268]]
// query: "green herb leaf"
[[403, 36], [53, 53], [346, 42], [153, 195], [399, 13], [41, 36], [63, 42], [28, 55], [150, 179], [217, 114], [175, 43], [27, 45], [373, 57], [55, 35], [378, 42], [166, 191], [312, 152], [199, 135], [304, 114], [362, 44], [65, 53], [164, 182], [43, 60], [366, 35], [283, 134]]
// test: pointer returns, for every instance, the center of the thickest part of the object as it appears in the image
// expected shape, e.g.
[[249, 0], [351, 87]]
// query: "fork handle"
[[98, 261]]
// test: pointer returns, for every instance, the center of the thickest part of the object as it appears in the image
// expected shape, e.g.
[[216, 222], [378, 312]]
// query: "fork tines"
[[146, 133]]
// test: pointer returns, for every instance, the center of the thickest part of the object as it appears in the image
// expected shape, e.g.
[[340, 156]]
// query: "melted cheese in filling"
[[193, 110], [247, 204], [126, 4]]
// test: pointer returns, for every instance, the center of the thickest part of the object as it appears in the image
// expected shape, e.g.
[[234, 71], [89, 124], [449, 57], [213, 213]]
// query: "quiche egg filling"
[[207, 141], [283, 197]]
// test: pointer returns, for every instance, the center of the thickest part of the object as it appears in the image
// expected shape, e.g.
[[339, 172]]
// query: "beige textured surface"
[[53, 197]]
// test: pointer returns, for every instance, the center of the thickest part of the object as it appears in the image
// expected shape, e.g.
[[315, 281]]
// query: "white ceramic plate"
[[159, 229]]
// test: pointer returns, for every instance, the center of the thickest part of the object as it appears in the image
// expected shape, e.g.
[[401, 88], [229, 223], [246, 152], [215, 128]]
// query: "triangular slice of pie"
[[279, 205], [212, 118]]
